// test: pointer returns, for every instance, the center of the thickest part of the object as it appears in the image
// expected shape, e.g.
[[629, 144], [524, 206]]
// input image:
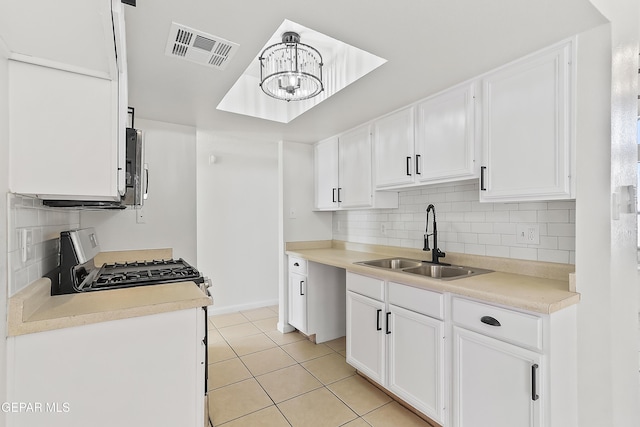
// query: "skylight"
[[343, 65]]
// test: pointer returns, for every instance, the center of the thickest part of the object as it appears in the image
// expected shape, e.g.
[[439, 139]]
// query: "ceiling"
[[429, 45]]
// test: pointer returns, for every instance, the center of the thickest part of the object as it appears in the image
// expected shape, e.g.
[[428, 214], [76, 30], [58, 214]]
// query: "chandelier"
[[291, 71]]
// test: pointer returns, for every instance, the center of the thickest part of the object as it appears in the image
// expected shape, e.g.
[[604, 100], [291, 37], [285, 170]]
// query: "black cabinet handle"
[[333, 194], [378, 328], [491, 321], [408, 165], [388, 331], [301, 282], [482, 170], [339, 200], [418, 165], [295, 264], [534, 382]]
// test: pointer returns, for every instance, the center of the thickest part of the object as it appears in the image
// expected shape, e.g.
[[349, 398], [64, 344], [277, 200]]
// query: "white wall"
[[4, 187], [300, 222], [606, 263], [464, 224], [238, 220], [170, 211]]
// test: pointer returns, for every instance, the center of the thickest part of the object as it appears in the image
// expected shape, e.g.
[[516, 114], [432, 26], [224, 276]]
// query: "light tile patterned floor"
[[261, 377]]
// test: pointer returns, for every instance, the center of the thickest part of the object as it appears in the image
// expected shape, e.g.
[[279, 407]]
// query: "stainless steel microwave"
[[136, 172]]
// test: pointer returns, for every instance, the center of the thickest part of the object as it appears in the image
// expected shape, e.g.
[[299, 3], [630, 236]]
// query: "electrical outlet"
[[383, 229], [528, 234], [140, 218]]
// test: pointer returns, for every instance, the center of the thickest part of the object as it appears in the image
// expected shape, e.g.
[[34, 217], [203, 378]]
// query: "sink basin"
[[392, 263], [424, 268], [445, 272]]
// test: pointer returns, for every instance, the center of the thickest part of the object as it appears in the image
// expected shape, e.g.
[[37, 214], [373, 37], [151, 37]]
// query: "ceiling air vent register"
[[199, 47]]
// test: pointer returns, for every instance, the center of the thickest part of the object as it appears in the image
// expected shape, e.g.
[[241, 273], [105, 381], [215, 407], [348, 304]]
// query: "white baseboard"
[[213, 310]]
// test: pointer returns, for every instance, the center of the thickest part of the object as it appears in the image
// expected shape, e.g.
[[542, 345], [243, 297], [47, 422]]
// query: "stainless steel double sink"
[[425, 268]]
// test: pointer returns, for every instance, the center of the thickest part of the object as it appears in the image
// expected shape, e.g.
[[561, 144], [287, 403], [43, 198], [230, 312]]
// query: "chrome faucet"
[[436, 253]]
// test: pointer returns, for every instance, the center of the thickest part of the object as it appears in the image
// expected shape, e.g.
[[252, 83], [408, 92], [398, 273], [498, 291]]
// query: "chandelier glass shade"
[[291, 71]]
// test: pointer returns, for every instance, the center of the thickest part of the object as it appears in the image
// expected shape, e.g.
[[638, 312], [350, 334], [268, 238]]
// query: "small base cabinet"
[[316, 304], [512, 368], [141, 371], [393, 339]]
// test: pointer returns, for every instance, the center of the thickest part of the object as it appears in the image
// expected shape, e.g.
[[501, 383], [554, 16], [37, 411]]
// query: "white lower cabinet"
[[496, 384], [365, 336], [401, 349], [415, 348], [461, 362], [142, 371], [316, 304], [298, 301]]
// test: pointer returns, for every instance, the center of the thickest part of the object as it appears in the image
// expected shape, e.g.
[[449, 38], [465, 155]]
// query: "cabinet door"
[[393, 145], [366, 336], [298, 301], [62, 134], [326, 173], [526, 129], [495, 384], [416, 361], [445, 136], [355, 169]]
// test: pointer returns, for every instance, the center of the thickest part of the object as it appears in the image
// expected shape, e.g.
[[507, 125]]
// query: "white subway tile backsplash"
[[558, 215], [45, 225], [465, 225], [523, 216]]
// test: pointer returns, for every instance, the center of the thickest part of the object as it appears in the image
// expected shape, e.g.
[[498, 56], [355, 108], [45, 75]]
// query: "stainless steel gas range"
[[78, 272]]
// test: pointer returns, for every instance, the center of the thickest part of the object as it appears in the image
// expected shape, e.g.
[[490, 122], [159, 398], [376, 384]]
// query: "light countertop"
[[545, 288], [34, 309]]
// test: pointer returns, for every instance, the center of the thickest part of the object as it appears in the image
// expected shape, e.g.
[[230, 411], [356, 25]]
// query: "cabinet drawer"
[[416, 299], [297, 265], [513, 326], [364, 285]]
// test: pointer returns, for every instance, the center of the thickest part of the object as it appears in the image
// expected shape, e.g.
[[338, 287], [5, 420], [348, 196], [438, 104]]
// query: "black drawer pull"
[[301, 282], [491, 321], [388, 331], [534, 383], [378, 328], [295, 264]]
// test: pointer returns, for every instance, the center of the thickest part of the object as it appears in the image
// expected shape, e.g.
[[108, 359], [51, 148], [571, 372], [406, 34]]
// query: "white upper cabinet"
[[431, 142], [354, 171], [67, 107], [326, 174], [343, 173], [527, 137], [76, 35], [445, 136], [394, 149]]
